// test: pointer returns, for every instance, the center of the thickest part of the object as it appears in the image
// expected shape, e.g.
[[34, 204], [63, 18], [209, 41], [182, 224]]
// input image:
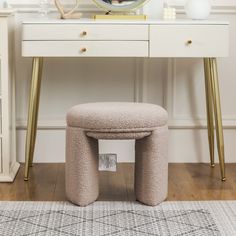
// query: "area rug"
[[118, 218]]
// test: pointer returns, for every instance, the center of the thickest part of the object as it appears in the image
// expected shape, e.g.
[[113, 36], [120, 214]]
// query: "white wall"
[[177, 85]]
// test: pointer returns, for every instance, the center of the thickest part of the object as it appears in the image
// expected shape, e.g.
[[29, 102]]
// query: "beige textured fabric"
[[83, 132], [116, 115], [151, 167], [121, 136], [81, 167]]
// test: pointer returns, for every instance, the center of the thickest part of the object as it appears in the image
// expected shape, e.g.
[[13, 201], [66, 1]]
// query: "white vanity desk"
[[151, 38]]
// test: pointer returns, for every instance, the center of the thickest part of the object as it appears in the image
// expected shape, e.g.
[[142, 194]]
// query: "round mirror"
[[120, 5]]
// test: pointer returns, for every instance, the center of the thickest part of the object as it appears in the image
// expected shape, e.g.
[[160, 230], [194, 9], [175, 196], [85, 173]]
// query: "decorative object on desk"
[[69, 14], [198, 9], [43, 7], [3, 4], [153, 9], [124, 7], [169, 13]]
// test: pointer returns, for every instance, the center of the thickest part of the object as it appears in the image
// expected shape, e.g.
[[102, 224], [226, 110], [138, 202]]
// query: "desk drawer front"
[[85, 48], [189, 40], [84, 32]]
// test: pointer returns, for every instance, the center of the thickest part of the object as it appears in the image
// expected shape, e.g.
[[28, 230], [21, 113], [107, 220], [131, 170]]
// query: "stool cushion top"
[[116, 116]]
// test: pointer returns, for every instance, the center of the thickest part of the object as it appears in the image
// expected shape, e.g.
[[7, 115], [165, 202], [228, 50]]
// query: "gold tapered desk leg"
[[33, 113], [209, 109], [218, 115]]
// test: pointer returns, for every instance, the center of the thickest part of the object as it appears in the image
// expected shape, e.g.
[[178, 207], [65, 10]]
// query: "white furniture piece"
[[152, 38], [8, 164]]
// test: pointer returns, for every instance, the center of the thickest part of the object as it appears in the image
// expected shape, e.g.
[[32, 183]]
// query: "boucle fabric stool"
[[146, 123]]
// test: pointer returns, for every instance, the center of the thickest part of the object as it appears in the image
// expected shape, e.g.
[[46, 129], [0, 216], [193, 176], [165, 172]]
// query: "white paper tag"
[[107, 162]]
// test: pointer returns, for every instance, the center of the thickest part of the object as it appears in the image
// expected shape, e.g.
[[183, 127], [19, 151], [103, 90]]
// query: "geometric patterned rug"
[[211, 218]]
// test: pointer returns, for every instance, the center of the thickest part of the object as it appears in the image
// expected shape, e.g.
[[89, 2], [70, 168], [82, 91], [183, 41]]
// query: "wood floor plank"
[[186, 182], [128, 172], [59, 193], [112, 185]]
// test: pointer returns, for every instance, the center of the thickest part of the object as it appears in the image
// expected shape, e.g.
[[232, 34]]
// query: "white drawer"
[[84, 32], [85, 48], [189, 40]]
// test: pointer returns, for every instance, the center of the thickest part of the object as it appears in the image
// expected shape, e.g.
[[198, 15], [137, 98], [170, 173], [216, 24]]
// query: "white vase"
[[2, 3], [198, 9], [153, 9], [44, 7]]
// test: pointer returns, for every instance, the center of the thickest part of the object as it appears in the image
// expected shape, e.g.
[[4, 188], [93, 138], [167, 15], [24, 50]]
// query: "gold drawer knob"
[[189, 42], [83, 50], [84, 33]]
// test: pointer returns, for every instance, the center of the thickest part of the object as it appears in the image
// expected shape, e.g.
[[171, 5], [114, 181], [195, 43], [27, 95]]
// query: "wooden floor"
[[186, 182]]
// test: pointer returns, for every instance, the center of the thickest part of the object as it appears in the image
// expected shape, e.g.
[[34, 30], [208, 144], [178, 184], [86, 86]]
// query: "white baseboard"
[[12, 174], [187, 145]]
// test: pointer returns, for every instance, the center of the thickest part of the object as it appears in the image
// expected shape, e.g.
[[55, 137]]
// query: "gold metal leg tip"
[[26, 179], [223, 179], [212, 165]]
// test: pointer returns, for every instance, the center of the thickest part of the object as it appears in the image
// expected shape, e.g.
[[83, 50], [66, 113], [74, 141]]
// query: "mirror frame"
[[126, 8]]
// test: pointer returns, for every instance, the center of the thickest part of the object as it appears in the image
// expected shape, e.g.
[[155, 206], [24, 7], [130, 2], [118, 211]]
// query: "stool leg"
[[82, 179], [151, 167]]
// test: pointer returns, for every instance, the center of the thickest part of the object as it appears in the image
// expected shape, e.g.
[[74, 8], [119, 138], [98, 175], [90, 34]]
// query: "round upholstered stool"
[[146, 123]]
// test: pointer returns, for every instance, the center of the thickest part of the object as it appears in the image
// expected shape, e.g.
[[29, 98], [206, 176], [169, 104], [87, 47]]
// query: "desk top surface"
[[41, 20]]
